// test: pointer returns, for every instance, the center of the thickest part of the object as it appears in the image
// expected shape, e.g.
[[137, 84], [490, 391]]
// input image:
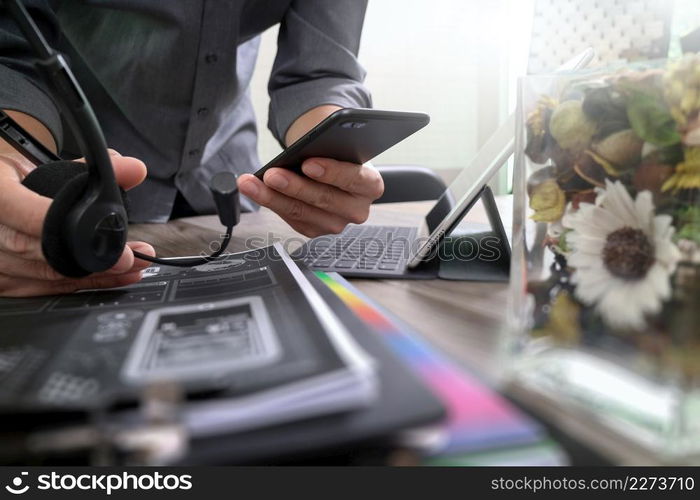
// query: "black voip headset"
[[85, 229]]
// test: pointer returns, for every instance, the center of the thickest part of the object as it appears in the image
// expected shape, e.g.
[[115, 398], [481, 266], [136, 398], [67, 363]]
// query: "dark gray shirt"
[[169, 80]]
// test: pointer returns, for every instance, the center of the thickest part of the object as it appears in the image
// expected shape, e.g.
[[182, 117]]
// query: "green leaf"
[[651, 120], [688, 215], [689, 232], [688, 220], [563, 244], [671, 155]]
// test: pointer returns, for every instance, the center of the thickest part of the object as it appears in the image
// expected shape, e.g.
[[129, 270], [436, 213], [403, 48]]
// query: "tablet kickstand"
[[473, 256]]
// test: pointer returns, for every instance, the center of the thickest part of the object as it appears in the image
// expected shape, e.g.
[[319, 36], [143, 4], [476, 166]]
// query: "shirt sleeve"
[[316, 61], [21, 87]]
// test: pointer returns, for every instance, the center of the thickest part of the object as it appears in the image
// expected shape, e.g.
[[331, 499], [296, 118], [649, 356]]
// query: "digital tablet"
[[460, 195]]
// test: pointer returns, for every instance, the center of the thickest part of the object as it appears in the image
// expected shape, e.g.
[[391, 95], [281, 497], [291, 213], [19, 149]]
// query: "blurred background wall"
[[449, 58], [458, 60]]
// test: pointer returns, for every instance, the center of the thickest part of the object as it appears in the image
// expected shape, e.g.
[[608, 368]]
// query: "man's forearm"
[[307, 121], [37, 130]]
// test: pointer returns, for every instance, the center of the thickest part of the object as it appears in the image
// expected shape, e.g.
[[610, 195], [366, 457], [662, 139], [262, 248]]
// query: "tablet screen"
[[468, 184], [461, 193]]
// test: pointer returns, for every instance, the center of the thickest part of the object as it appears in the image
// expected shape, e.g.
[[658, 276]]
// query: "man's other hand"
[[333, 195]]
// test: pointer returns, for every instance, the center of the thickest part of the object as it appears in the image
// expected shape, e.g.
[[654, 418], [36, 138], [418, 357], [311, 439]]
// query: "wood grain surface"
[[464, 319]]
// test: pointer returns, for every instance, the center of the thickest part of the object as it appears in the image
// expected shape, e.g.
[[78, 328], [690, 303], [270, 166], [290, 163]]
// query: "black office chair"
[[409, 183]]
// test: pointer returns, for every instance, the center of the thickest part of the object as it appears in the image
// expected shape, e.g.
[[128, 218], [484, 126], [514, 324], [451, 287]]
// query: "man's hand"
[[23, 269], [334, 194]]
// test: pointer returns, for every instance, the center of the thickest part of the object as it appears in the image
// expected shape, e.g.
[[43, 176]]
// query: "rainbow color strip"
[[478, 418]]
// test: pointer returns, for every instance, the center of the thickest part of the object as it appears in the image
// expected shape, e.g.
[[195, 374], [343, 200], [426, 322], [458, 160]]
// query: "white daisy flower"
[[622, 254]]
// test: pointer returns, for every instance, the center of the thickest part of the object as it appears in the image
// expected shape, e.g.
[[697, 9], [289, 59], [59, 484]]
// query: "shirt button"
[[211, 58], [193, 152], [202, 112]]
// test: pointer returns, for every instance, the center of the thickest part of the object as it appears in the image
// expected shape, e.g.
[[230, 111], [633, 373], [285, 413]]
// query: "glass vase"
[[604, 316]]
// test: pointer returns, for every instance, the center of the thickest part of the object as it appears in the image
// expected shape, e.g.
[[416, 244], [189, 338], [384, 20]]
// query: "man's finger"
[[19, 287], [20, 208], [127, 262], [20, 244], [144, 248], [101, 281], [129, 172], [326, 197], [21, 165], [11, 265], [18, 267], [361, 180], [305, 229], [290, 209]]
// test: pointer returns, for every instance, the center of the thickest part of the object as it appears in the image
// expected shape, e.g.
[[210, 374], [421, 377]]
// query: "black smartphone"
[[351, 135]]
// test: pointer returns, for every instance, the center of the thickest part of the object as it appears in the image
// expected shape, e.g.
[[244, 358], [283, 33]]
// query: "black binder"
[[404, 403]]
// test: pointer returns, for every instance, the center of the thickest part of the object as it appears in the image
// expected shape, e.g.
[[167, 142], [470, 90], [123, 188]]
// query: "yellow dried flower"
[[548, 201], [570, 126], [682, 88], [687, 174], [563, 324], [619, 151], [536, 120]]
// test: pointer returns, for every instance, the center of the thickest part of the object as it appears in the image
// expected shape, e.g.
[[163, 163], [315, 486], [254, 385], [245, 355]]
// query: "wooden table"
[[464, 319]]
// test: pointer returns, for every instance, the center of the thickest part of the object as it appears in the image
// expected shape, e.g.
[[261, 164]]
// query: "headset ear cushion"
[[65, 182], [54, 242], [49, 179]]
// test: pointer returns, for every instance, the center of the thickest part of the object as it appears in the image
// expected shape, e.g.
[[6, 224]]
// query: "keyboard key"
[[344, 264], [388, 266], [323, 262], [366, 265]]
